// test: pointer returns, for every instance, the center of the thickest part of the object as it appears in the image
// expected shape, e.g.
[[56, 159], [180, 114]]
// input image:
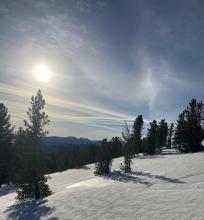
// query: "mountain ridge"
[[69, 140]]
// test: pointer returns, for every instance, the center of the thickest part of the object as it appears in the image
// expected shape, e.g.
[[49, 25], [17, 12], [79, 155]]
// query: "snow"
[[159, 187], [169, 151]]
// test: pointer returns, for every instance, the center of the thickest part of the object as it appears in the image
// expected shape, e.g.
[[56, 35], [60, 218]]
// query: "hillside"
[[160, 187]]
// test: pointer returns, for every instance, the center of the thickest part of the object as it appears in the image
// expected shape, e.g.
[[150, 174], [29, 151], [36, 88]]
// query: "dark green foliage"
[[99, 168], [28, 190], [194, 118], [128, 155], [76, 156], [85, 155], [66, 158], [189, 128], [137, 134], [104, 158], [129, 142], [71, 156], [180, 138], [29, 178], [116, 147], [6, 138], [29, 171], [152, 137], [162, 133], [145, 145], [170, 134], [128, 150]]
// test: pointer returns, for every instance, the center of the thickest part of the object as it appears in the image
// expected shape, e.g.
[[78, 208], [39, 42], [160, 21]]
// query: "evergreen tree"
[[152, 137], [6, 137], [30, 180], [170, 134], [128, 155], [145, 145], [180, 137], [104, 159], [189, 132], [128, 149], [194, 118], [116, 147], [137, 133], [162, 133]]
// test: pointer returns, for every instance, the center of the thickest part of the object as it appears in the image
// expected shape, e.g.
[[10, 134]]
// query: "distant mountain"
[[59, 141]]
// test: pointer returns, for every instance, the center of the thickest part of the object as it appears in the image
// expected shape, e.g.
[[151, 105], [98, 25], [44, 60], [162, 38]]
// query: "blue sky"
[[110, 61]]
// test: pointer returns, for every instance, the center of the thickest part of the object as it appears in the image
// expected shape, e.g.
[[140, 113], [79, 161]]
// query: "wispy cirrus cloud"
[[79, 113]]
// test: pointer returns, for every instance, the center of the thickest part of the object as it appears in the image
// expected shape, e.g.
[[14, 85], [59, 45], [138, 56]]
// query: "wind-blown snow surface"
[[160, 187]]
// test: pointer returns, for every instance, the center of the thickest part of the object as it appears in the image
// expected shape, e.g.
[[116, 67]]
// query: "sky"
[[109, 61]]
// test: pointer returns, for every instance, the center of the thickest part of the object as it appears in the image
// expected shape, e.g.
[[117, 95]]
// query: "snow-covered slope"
[[160, 187]]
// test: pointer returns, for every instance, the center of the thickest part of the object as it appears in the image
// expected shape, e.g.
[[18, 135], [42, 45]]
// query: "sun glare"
[[42, 73]]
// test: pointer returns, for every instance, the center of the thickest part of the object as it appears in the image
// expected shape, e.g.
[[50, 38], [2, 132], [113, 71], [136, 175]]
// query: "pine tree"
[[170, 134], [189, 132], [116, 147], [162, 133], [30, 180], [128, 149], [128, 155], [104, 159], [145, 145], [152, 137], [137, 133], [194, 118], [6, 136], [180, 137]]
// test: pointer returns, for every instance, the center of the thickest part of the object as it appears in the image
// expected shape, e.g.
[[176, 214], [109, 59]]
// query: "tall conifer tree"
[[104, 159], [189, 132], [30, 179], [128, 149], [6, 137], [162, 133], [152, 137], [137, 133]]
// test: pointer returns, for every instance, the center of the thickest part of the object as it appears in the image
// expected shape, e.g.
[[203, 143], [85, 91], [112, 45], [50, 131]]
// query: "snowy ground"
[[160, 187]]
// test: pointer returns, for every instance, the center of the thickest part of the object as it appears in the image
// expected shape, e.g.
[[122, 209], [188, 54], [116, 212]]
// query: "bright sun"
[[42, 73]]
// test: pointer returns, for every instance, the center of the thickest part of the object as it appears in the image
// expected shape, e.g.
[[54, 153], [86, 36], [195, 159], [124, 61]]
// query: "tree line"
[[186, 135], [24, 161]]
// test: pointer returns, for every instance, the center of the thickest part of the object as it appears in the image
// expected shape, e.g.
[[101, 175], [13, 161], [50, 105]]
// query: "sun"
[[42, 73]]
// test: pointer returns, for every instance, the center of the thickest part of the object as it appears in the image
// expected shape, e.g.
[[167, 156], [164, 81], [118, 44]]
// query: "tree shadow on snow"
[[163, 178], [123, 177], [135, 177], [32, 210]]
